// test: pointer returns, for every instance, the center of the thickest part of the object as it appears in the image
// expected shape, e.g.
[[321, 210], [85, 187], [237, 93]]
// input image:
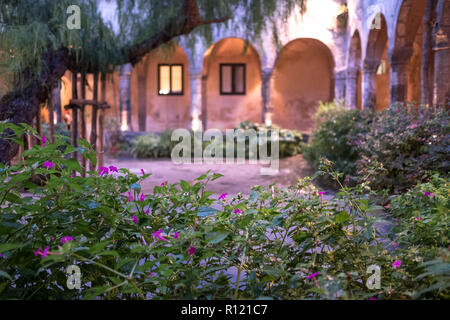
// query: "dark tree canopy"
[[37, 47]]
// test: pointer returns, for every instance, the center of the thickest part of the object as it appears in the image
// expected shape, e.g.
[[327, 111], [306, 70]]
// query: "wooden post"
[[94, 117], [101, 121], [51, 117], [74, 114], [83, 120]]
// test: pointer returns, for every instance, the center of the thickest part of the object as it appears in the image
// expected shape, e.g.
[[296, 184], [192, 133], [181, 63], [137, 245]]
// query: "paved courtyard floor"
[[237, 177]]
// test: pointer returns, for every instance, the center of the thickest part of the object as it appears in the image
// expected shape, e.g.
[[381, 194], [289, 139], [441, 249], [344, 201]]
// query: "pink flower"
[[397, 264], [102, 171], [1, 256], [223, 196], [135, 219], [176, 235], [237, 211], [372, 298], [157, 235], [44, 140], [72, 176], [163, 184], [113, 169], [321, 193], [147, 212], [192, 250], [43, 254], [142, 197], [151, 274], [130, 197], [395, 245], [427, 194], [143, 172], [65, 239], [313, 275], [48, 164], [418, 218]]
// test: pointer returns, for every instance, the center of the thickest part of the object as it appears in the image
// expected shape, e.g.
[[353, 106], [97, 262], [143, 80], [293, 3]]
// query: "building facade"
[[367, 52]]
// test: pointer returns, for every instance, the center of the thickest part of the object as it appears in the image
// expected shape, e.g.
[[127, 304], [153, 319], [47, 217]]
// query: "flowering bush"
[[408, 142], [334, 137], [184, 242]]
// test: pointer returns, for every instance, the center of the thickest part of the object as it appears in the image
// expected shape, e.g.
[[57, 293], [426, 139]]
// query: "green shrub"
[[160, 146], [408, 142], [332, 138], [182, 241]]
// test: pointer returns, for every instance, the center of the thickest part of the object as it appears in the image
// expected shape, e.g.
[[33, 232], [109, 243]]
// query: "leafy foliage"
[[182, 242]]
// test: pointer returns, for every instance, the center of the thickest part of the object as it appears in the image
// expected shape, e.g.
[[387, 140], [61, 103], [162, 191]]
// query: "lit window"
[[170, 79], [232, 78]]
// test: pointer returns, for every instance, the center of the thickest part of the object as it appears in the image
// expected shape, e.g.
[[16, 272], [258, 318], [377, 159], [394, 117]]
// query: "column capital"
[[266, 72]]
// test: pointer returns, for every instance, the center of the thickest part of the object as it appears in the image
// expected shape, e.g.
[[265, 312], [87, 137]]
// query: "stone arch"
[[222, 111], [150, 110], [376, 74], [354, 73], [303, 76], [407, 52], [442, 55]]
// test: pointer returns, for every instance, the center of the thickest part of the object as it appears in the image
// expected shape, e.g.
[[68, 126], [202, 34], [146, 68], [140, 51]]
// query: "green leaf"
[[206, 211], [216, 176], [72, 164], [5, 275], [216, 237], [185, 186], [9, 246], [342, 217]]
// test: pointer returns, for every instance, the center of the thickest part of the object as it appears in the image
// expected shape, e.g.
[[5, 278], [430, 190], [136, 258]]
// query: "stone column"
[[441, 48], [196, 101], [339, 85], [266, 93], [125, 97], [56, 99], [351, 88], [369, 73], [399, 74]]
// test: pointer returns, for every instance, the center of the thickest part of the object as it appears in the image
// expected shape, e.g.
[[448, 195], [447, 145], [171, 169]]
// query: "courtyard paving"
[[237, 177]]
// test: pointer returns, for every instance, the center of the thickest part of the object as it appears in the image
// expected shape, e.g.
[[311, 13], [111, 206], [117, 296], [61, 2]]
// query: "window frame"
[[170, 65], [233, 84]]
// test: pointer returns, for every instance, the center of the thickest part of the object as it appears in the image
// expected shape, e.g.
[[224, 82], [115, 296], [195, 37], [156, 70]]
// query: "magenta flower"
[[313, 275], [372, 298], [157, 235], [43, 254], [237, 211], [113, 169], [72, 176], [427, 194], [48, 164], [65, 239], [321, 193], [418, 218], [397, 264], [135, 219], [395, 245], [130, 197], [151, 275], [102, 171], [142, 197], [176, 235], [192, 250], [44, 140], [143, 172], [147, 212], [163, 184], [223, 196], [1, 256]]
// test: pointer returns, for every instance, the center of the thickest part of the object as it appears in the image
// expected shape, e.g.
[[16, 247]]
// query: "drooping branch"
[[22, 105]]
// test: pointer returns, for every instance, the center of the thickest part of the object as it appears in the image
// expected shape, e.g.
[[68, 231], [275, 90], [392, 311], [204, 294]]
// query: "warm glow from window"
[[170, 79]]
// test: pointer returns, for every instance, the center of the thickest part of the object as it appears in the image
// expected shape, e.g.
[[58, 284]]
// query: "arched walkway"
[[407, 55], [232, 80], [303, 77], [354, 74], [377, 67]]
